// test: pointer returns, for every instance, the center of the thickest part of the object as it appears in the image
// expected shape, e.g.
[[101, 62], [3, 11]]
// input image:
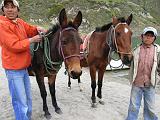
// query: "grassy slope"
[[95, 12]]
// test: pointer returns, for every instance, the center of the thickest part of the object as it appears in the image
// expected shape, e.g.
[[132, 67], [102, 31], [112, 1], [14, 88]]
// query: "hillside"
[[95, 12]]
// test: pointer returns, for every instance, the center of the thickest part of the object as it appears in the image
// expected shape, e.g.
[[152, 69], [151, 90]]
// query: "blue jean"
[[20, 91], [148, 94]]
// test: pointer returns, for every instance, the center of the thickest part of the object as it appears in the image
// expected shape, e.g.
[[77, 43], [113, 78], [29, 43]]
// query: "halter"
[[49, 64], [60, 44], [112, 43]]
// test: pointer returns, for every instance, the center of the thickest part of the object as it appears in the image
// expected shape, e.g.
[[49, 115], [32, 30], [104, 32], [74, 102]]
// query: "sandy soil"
[[76, 105]]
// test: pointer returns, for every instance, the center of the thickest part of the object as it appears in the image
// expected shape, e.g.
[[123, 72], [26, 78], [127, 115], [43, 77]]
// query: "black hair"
[[12, 3], [148, 32]]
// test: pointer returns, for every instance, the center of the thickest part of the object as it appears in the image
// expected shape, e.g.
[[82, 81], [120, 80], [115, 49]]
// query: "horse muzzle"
[[126, 59], [73, 67], [75, 75], [74, 71]]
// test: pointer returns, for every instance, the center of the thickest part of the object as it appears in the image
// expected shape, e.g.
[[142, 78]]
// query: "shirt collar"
[[14, 21], [145, 46]]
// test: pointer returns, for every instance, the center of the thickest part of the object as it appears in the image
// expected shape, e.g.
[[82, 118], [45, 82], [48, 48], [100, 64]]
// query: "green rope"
[[49, 64]]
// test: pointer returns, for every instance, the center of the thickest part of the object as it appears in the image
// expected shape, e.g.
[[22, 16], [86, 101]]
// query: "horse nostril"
[[126, 60], [75, 75]]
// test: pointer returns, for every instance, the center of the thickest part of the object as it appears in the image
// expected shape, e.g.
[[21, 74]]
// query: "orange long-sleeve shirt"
[[14, 40]]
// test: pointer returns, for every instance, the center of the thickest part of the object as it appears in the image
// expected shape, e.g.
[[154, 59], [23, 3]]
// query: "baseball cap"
[[150, 29], [15, 2]]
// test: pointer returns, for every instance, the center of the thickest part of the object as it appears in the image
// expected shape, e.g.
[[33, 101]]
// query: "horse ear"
[[78, 20], [129, 20], [63, 18], [114, 20]]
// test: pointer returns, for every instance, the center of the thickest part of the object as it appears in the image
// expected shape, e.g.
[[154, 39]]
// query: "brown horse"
[[113, 37], [61, 43]]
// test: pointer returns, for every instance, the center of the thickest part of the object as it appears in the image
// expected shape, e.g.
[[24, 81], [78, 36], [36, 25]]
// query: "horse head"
[[69, 42], [121, 36]]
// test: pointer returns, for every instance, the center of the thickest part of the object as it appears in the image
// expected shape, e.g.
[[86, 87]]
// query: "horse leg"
[[100, 81], [40, 81], [79, 84], [69, 82], [93, 85], [79, 80], [51, 80]]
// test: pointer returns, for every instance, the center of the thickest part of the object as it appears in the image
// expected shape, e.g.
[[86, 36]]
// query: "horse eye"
[[63, 42], [118, 33]]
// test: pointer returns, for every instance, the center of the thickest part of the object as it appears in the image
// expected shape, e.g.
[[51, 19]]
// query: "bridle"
[[112, 43], [49, 64], [61, 46]]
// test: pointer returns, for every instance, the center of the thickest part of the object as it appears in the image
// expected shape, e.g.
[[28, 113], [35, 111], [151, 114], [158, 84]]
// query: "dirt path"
[[76, 105]]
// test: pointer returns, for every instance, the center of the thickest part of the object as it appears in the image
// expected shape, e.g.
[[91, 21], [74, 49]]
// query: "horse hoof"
[[94, 105], [58, 111], [80, 87], [47, 116], [101, 101], [69, 88]]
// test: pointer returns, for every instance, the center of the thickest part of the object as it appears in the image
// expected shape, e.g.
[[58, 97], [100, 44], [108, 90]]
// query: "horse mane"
[[107, 26], [56, 27], [103, 28], [53, 29], [122, 20]]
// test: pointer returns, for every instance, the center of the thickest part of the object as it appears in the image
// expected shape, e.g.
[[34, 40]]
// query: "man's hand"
[[41, 29], [36, 38]]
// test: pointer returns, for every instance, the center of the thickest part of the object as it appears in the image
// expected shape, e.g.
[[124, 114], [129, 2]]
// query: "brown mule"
[[63, 45]]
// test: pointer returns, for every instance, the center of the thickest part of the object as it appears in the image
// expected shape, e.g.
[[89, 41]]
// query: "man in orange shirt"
[[15, 39]]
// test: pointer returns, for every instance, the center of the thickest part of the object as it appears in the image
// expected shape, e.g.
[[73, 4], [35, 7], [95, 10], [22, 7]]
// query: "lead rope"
[[49, 64]]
